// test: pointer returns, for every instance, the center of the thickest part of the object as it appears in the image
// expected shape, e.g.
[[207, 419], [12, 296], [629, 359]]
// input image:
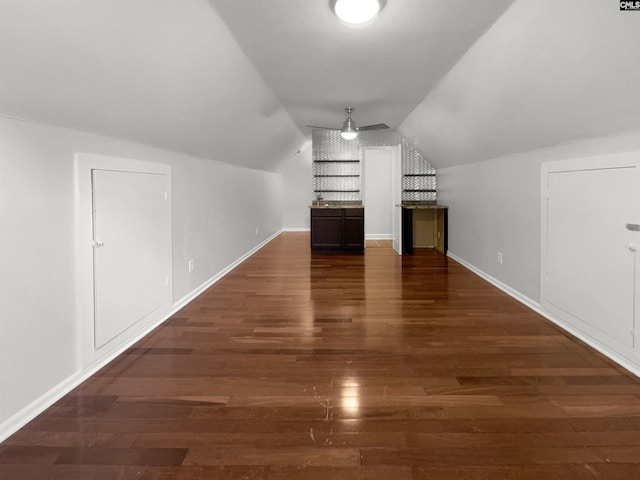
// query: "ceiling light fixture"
[[357, 12], [349, 130]]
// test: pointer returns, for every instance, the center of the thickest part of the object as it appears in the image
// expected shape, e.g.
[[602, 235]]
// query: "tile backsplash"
[[337, 166]]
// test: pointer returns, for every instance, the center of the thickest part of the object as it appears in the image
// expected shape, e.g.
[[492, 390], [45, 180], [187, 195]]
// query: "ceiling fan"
[[349, 131]]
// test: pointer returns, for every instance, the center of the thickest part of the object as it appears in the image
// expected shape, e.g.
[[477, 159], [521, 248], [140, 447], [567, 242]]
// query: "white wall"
[[495, 207], [296, 189], [216, 210]]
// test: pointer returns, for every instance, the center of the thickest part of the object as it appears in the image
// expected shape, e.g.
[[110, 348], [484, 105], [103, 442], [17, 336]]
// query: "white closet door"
[[132, 249], [589, 269]]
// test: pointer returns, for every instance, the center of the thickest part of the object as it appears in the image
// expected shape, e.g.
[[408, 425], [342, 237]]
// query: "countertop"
[[336, 204], [355, 204], [423, 205]]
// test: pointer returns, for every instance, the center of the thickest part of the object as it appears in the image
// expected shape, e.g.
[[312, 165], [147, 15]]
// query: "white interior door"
[[589, 259], [132, 250], [396, 198]]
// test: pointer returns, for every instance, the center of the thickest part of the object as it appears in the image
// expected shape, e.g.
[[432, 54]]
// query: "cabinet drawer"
[[354, 212], [326, 212]]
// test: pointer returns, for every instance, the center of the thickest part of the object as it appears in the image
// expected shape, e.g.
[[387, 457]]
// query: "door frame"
[[395, 159], [85, 164], [396, 200]]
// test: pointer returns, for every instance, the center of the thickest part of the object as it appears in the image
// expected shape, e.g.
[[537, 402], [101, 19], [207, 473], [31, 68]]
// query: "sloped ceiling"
[[317, 66], [171, 73], [163, 72], [238, 80], [547, 72]]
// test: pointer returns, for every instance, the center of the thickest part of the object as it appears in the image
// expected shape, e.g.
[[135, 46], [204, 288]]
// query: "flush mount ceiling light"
[[357, 12]]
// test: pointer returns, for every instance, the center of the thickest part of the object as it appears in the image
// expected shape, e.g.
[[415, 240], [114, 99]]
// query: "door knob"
[[98, 243], [633, 247]]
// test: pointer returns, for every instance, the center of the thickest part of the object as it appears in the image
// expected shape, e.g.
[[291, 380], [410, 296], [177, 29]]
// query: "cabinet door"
[[326, 231], [407, 231], [354, 232]]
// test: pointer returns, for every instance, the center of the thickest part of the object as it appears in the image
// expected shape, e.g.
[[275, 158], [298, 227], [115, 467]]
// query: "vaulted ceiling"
[[317, 66], [238, 80]]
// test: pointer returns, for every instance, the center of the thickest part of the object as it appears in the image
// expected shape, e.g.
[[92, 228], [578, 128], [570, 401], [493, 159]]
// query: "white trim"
[[497, 283], [536, 307], [35, 408], [307, 229], [379, 236], [215, 278]]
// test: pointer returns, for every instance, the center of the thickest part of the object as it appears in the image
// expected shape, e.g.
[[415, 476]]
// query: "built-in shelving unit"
[[337, 179], [418, 180], [421, 176]]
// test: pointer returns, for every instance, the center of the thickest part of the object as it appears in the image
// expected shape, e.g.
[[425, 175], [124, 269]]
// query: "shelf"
[[419, 190], [336, 161], [419, 175], [337, 191], [336, 176]]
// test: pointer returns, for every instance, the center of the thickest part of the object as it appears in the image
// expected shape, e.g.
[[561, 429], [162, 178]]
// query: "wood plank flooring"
[[374, 366]]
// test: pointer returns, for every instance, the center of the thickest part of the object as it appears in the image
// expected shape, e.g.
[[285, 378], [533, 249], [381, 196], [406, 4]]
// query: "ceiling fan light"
[[349, 130], [356, 12], [349, 135]]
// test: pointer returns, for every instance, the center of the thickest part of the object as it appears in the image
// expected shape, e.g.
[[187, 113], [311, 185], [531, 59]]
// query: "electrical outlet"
[[257, 230], [191, 265], [500, 258]]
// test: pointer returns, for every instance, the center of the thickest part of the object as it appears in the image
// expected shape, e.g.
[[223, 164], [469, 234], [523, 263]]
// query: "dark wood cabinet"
[[440, 233], [337, 229], [407, 231]]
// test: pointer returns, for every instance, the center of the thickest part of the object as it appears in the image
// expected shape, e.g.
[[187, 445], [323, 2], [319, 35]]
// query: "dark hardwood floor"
[[343, 367]]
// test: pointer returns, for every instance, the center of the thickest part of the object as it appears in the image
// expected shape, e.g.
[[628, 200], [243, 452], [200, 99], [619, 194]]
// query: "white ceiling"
[[317, 66], [237, 80]]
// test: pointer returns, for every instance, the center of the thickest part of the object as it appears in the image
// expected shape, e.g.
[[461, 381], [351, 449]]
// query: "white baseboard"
[[296, 229], [532, 304], [535, 306], [378, 236], [195, 293], [35, 408]]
